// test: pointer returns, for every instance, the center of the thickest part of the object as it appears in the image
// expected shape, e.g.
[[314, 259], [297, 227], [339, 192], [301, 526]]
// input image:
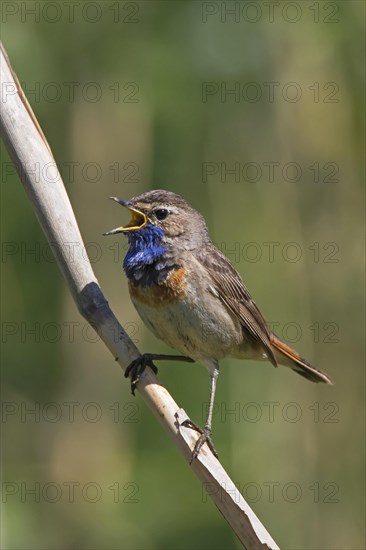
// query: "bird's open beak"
[[137, 221]]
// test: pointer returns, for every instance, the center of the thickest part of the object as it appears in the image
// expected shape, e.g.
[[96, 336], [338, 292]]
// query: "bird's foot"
[[205, 437], [137, 367]]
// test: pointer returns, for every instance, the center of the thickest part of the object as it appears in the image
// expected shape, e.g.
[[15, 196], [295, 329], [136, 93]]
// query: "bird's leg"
[[205, 436], [137, 366]]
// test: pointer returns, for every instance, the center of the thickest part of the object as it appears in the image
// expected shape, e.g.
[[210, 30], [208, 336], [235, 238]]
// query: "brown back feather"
[[233, 293]]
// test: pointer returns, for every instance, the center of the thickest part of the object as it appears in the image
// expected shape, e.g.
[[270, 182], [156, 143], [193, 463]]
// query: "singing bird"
[[191, 297]]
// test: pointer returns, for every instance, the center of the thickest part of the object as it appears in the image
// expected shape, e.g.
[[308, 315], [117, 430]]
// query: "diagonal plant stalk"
[[42, 182]]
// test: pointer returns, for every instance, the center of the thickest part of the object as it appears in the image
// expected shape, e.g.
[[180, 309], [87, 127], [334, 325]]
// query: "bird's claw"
[[205, 437], [137, 367]]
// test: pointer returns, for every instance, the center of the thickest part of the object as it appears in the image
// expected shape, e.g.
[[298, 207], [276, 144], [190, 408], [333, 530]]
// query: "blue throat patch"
[[145, 253]]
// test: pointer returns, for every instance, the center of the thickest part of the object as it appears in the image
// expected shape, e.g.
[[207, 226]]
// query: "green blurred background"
[[149, 110]]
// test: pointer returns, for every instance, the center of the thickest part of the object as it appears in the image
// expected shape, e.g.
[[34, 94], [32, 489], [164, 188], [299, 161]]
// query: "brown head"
[[181, 225]]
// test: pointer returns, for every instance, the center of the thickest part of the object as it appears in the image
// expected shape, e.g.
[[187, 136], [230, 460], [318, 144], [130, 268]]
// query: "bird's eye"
[[161, 214]]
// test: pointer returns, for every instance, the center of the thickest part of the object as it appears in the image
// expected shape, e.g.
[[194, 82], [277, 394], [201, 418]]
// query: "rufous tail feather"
[[290, 358]]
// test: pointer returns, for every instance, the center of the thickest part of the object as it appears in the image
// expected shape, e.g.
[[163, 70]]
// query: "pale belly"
[[199, 328]]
